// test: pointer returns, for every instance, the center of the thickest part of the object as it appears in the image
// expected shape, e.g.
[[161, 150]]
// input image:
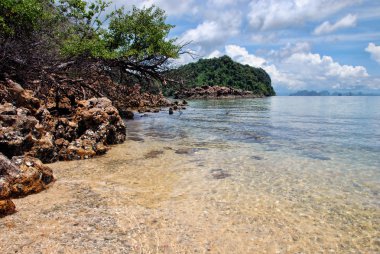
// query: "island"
[[219, 78]]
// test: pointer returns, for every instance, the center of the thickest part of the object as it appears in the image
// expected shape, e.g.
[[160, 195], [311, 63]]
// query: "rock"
[[142, 110], [7, 207], [127, 114], [94, 125], [153, 154], [219, 174], [189, 150], [136, 139], [205, 92], [19, 177], [33, 176], [22, 175], [18, 131], [171, 111], [21, 97]]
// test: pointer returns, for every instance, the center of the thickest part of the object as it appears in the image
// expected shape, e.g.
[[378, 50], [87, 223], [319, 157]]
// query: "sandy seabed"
[[146, 196]]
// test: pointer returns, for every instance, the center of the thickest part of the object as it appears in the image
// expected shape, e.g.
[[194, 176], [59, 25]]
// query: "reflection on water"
[[277, 175]]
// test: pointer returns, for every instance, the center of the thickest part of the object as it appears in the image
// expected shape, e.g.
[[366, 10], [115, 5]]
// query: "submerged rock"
[[219, 174], [153, 154], [255, 157], [133, 138]]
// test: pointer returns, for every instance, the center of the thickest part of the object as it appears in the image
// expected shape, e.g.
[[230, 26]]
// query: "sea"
[[272, 175]]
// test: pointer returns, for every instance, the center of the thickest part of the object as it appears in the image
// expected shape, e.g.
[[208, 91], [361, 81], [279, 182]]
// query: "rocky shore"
[[33, 132], [37, 128], [213, 92]]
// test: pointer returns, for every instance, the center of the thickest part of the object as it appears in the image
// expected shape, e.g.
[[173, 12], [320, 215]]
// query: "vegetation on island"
[[223, 71]]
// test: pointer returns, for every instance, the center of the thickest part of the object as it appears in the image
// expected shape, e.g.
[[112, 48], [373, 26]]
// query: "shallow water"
[[275, 175]]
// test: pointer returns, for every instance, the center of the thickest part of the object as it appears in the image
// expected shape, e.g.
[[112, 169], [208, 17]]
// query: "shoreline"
[[148, 195]]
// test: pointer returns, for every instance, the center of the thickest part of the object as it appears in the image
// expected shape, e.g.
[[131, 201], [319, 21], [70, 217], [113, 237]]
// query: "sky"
[[303, 44]]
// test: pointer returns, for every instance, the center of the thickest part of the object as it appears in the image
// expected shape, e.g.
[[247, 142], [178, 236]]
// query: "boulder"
[[23, 175], [7, 207], [127, 114], [19, 177]]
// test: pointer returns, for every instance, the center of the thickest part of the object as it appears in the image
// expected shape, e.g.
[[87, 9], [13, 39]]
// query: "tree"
[[138, 40], [78, 39], [23, 25]]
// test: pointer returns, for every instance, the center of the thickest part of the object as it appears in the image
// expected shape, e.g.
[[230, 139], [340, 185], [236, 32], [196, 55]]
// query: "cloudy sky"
[[302, 44]]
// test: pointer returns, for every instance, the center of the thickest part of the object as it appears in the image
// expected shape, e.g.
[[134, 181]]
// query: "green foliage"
[[141, 34], [35, 33], [138, 35], [21, 17], [84, 36], [224, 71]]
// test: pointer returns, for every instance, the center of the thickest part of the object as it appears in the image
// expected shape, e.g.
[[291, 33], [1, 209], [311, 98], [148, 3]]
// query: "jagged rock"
[[18, 131], [22, 175], [134, 99], [95, 124], [171, 111], [205, 92], [86, 132], [21, 97]]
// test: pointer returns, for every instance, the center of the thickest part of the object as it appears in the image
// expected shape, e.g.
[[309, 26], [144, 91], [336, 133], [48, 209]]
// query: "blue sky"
[[302, 44]]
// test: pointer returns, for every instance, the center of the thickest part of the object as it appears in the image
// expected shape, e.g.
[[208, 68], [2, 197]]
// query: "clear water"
[[274, 175], [345, 129], [304, 168]]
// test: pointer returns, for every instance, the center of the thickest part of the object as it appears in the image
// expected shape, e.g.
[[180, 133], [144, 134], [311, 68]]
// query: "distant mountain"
[[310, 93], [224, 72], [327, 93]]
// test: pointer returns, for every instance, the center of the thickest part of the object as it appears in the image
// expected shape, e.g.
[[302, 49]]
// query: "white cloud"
[[241, 55], [295, 67], [314, 65], [374, 51], [278, 14], [215, 53], [326, 27], [211, 34]]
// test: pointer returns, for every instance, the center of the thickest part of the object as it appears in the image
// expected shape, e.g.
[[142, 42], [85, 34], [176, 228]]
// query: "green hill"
[[223, 71]]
